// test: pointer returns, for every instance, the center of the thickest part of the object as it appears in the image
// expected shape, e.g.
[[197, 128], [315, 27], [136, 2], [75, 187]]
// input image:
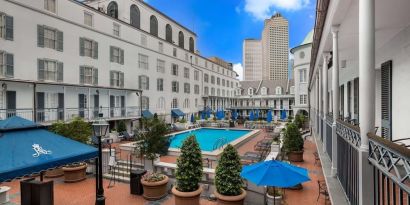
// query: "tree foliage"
[[77, 129], [293, 140], [121, 126], [153, 141], [228, 173], [189, 166], [299, 120]]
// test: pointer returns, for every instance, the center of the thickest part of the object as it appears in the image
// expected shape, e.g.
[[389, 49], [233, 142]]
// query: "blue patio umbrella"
[[256, 114], [275, 173], [269, 117], [208, 113], [282, 114], [234, 115], [192, 118], [251, 116]]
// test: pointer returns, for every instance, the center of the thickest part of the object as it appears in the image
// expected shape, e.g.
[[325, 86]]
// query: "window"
[[160, 66], [302, 75], [186, 103], [161, 103], [145, 103], [213, 91], [143, 61], [206, 90], [292, 90], [250, 91], [160, 84], [196, 102], [112, 9], [50, 5], [218, 92], [218, 81], [117, 79], [160, 47], [186, 72], [191, 44], [174, 103], [88, 75], [143, 40], [6, 64], [143, 82], [196, 89], [227, 83], [135, 16], [174, 69], [196, 60], [264, 91], [206, 77], [175, 87], [302, 55], [50, 70], [303, 99], [196, 75], [278, 91], [116, 55], [88, 18], [153, 26], [223, 82], [186, 57], [88, 48], [187, 88], [168, 33], [181, 39], [213, 79], [49, 38], [223, 93], [116, 29], [174, 52]]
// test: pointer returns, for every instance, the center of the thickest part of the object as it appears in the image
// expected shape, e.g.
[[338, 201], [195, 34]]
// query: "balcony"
[[50, 115]]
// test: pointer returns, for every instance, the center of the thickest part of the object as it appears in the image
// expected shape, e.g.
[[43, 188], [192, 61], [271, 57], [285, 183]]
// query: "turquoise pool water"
[[209, 139]]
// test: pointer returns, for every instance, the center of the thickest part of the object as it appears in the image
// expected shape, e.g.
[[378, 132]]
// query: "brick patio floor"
[[83, 193]]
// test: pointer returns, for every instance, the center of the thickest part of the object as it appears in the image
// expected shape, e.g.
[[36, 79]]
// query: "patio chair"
[[263, 144], [322, 190]]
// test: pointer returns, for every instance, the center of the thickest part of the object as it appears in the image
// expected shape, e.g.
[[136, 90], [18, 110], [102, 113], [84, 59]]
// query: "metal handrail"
[[349, 132]]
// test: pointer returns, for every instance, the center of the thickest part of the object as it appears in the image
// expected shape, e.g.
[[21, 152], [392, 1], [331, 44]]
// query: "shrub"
[[153, 141], [189, 166], [274, 191], [77, 130], [121, 126], [183, 120], [293, 140], [228, 173], [299, 121], [153, 177]]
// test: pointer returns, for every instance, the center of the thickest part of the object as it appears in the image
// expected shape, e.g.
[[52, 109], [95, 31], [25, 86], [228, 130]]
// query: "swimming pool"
[[209, 139]]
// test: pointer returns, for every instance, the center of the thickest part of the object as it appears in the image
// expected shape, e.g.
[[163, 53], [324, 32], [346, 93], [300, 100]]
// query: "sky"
[[222, 25]]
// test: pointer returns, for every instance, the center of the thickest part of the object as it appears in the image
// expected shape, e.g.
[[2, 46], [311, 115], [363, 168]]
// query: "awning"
[[177, 113], [147, 114], [25, 148]]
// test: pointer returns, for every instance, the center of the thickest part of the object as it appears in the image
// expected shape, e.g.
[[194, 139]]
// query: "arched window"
[[168, 33], [112, 9], [191, 44], [153, 29], [264, 91], [174, 103], [181, 39], [135, 16], [250, 91], [278, 90]]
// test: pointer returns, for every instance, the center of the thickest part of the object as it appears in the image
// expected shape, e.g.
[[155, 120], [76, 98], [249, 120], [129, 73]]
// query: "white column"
[[335, 88], [325, 109], [317, 104], [367, 95], [320, 83]]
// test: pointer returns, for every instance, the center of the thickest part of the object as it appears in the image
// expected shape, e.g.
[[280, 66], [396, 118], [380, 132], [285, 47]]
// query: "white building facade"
[[252, 59], [63, 59]]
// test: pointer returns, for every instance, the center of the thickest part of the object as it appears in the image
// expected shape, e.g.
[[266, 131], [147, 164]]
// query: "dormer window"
[[112, 9], [250, 91], [292, 90], [264, 91], [278, 90]]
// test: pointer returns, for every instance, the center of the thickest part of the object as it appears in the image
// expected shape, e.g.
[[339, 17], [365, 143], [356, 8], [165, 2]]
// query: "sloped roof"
[[270, 84], [16, 122], [308, 38]]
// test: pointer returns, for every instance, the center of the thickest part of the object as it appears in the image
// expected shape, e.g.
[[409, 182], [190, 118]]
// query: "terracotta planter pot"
[[273, 200], [295, 156], [57, 172], [74, 174], [186, 198], [230, 200], [155, 190]]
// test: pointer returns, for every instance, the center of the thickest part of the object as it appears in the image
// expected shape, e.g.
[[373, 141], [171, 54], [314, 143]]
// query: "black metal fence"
[[329, 137], [391, 167], [348, 142]]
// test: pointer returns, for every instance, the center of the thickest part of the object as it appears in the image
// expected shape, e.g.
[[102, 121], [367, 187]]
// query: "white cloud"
[[262, 9], [237, 67]]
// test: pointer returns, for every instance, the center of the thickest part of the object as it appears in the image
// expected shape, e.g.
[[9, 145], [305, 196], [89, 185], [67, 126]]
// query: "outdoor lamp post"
[[100, 127]]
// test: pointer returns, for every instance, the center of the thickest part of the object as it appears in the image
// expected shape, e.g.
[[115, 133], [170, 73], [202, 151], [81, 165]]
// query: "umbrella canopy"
[[251, 116], [282, 114], [234, 115], [256, 114], [269, 117], [203, 115], [192, 118], [275, 173]]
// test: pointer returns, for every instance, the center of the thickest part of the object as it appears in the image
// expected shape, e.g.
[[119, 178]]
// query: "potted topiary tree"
[[150, 144], [188, 174], [80, 131], [293, 143], [228, 181]]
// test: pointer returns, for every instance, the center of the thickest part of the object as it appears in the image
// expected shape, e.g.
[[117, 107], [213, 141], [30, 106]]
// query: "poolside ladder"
[[220, 143]]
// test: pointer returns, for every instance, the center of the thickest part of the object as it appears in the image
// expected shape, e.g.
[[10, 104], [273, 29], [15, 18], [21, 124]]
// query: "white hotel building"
[[63, 58]]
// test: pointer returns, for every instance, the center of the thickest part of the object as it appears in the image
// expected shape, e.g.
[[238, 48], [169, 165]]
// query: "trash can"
[[135, 181], [35, 192]]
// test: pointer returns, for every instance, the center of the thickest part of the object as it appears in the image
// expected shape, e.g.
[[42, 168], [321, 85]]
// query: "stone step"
[[119, 178]]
